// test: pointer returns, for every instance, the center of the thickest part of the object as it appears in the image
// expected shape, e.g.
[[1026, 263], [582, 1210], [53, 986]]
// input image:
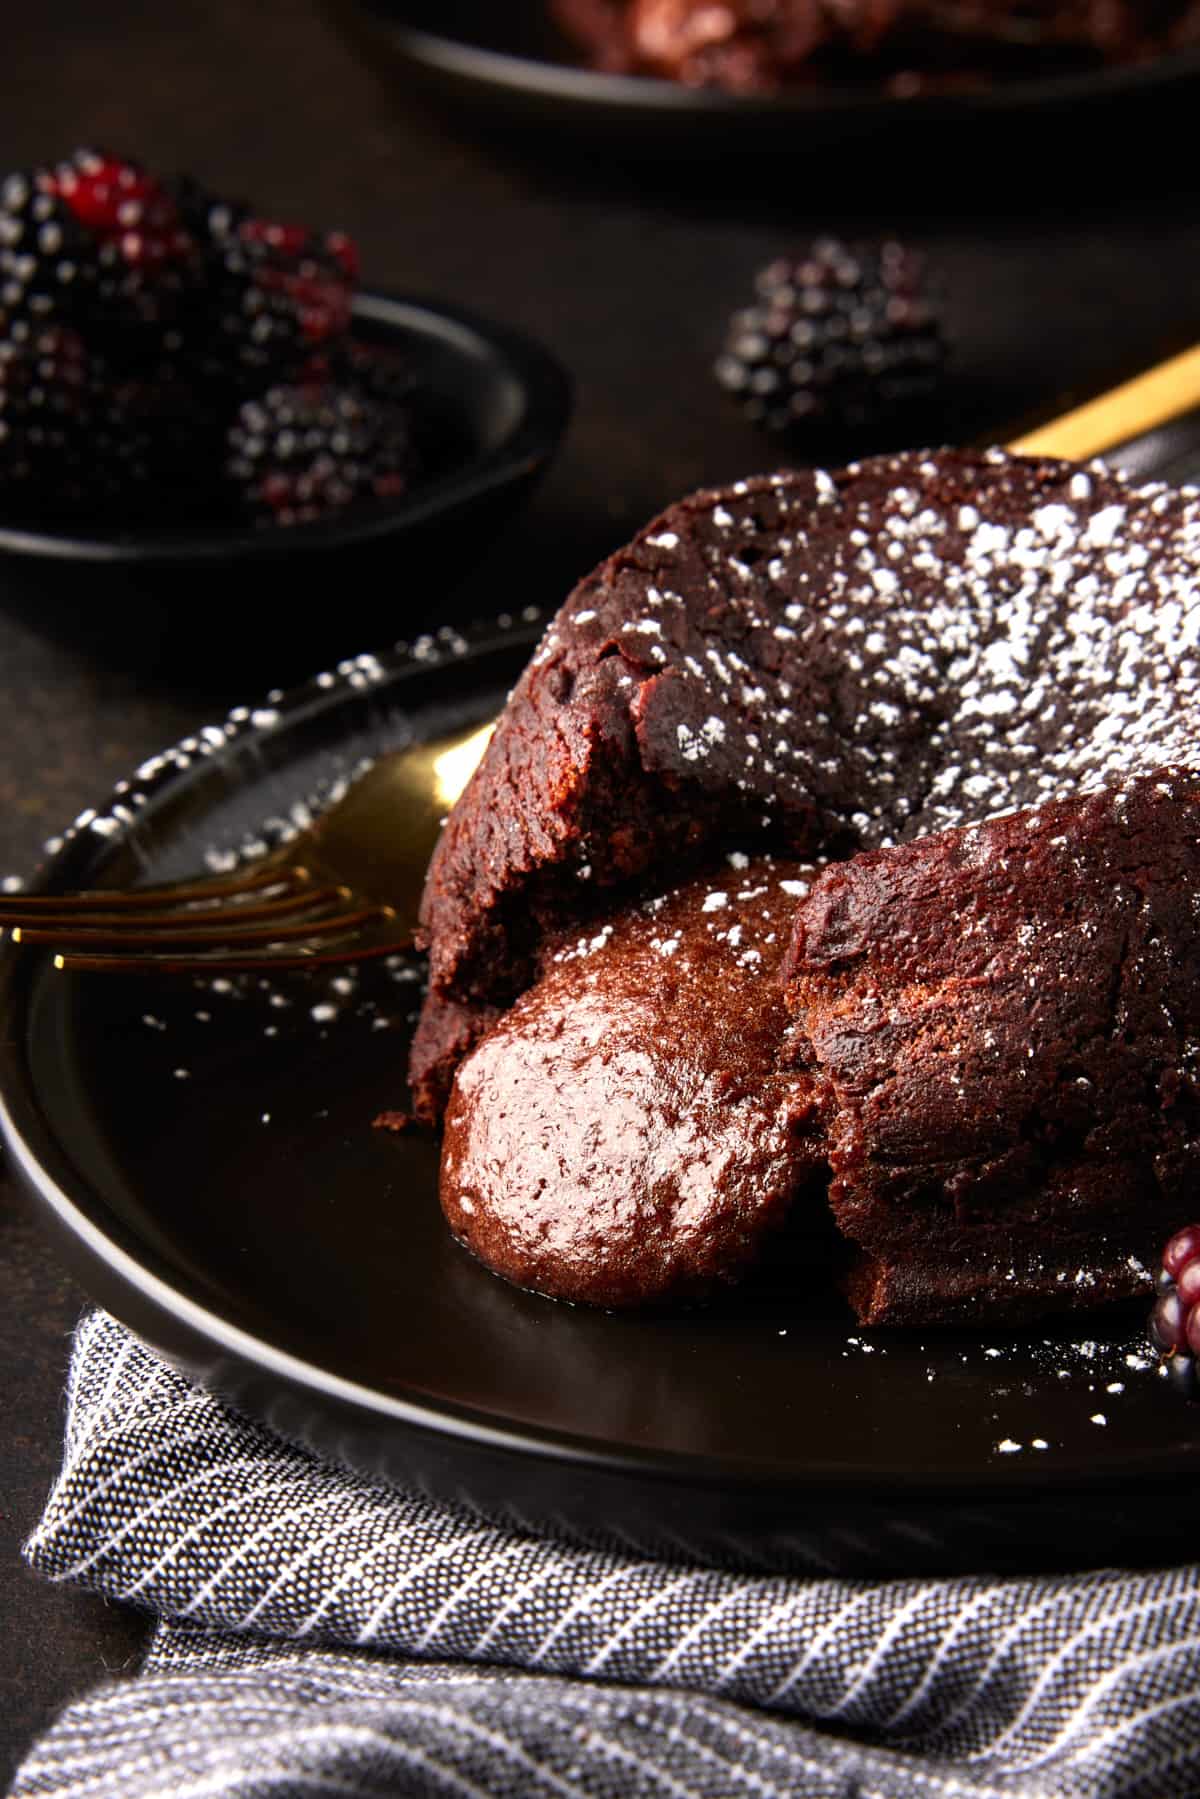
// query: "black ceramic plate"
[[512, 57], [204, 1152], [493, 405]]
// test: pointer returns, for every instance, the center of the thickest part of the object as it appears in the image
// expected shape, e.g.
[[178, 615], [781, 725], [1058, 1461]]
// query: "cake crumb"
[[400, 1122]]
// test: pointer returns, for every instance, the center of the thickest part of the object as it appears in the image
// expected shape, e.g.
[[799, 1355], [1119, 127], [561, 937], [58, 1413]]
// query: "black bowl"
[[243, 597]]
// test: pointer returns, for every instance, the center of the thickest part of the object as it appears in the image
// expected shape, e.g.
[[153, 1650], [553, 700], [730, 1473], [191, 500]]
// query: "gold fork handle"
[[1151, 399]]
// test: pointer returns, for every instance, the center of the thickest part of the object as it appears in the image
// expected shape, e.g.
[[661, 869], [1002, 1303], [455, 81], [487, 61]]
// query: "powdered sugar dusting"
[[747, 925], [1038, 640]]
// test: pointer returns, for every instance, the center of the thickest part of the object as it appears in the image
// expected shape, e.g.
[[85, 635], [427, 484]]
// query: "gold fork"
[[343, 890], [346, 889]]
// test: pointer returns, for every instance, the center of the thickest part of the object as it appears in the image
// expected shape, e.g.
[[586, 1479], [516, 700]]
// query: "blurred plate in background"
[[512, 60]]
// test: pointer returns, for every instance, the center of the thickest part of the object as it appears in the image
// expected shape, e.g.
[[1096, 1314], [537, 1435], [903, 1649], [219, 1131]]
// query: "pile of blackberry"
[[841, 343], [301, 452], [1175, 1320], [166, 356]]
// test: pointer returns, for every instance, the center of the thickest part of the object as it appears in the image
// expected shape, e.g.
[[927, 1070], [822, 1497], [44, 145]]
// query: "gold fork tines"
[[271, 872], [344, 890], [49, 924], [367, 942], [223, 930]]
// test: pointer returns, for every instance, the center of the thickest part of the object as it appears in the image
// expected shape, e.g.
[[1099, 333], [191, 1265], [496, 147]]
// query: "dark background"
[[1068, 250]]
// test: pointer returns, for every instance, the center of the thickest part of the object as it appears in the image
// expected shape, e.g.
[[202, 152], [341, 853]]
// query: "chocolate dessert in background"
[[756, 46], [970, 684]]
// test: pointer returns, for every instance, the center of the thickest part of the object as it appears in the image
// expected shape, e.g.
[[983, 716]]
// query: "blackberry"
[[71, 445], [137, 315], [47, 266], [393, 381], [839, 340], [94, 242], [300, 453], [129, 214], [386, 377], [315, 273], [1175, 1320], [274, 295]]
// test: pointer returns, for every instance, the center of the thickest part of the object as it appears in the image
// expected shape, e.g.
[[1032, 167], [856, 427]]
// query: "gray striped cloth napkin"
[[324, 1634]]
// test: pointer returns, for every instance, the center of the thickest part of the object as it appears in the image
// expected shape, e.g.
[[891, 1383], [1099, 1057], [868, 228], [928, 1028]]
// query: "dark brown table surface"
[[1067, 256]]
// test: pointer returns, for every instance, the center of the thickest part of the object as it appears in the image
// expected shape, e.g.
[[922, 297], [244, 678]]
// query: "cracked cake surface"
[[999, 1022], [850, 668]]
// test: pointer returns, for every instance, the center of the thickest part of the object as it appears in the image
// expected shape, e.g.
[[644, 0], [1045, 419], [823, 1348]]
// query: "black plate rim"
[[529, 445], [73, 1212], [651, 97]]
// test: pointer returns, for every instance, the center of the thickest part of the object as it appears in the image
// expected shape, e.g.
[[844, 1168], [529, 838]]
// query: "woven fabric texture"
[[324, 1633]]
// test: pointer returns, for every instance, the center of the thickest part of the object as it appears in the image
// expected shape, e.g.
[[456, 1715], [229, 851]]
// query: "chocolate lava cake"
[[755, 46], [961, 690]]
